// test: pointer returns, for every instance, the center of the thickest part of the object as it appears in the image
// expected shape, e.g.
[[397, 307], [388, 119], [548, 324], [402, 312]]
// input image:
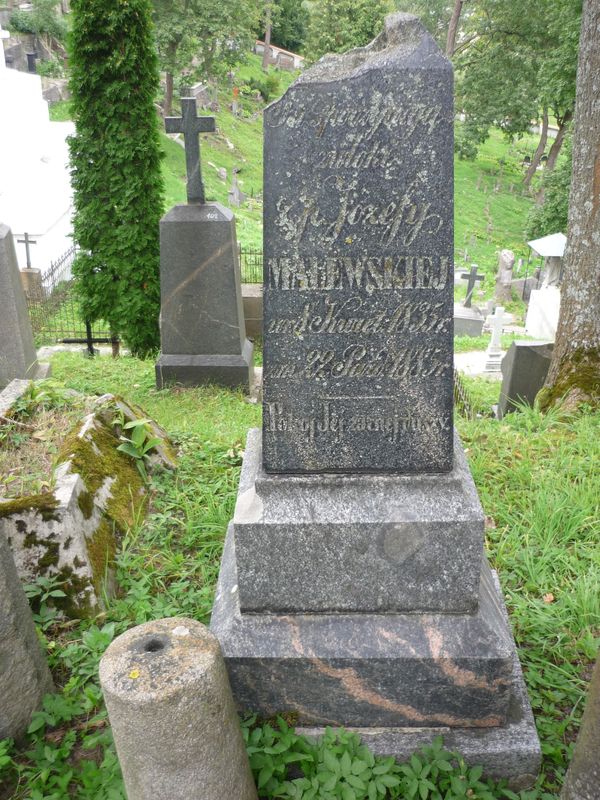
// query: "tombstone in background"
[[18, 358], [503, 290], [468, 319], [493, 354], [524, 370], [236, 196], [202, 331], [354, 588], [544, 303], [24, 674]]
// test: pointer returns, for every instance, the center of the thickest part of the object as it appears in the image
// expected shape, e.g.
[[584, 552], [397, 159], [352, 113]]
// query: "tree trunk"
[[168, 105], [539, 150], [557, 143], [575, 367], [582, 781], [453, 28], [267, 50]]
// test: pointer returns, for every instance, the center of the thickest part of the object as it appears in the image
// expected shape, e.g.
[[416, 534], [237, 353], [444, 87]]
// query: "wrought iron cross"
[[471, 277], [27, 242], [191, 125]]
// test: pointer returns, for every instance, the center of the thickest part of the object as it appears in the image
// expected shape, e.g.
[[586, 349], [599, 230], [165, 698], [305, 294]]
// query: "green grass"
[[539, 488]]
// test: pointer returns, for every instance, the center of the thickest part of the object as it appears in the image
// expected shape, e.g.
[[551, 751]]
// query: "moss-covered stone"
[[44, 504], [102, 550], [578, 381], [85, 501]]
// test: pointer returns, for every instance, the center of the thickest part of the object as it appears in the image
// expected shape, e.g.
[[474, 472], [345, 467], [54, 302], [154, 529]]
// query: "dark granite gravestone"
[[524, 370], [354, 589], [202, 330], [358, 247]]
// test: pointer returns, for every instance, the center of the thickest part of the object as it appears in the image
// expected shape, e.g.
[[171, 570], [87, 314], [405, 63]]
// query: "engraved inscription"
[[379, 273]]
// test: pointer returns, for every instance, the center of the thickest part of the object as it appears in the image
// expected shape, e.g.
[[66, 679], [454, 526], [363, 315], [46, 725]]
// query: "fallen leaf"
[[548, 598]]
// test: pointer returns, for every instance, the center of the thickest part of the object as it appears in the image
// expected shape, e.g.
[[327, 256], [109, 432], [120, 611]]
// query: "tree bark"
[[575, 367], [582, 781], [539, 150], [267, 50], [453, 28], [168, 106]]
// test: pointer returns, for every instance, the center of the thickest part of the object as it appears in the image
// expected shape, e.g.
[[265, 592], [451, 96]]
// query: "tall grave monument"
[[354, 589], [202, 330]]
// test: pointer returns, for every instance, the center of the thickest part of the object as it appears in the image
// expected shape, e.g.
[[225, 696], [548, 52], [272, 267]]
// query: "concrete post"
[[172, 714], [24, 674]]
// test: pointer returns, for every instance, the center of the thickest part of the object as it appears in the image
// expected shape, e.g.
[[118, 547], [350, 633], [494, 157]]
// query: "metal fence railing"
[[54, 309], [251, 263], [463, 402]]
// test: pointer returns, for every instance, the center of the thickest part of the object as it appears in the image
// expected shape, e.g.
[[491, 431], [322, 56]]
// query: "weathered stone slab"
[[358, 245], [524, 370], [18, 358], [368, 670], [24, 674], [203, 336], [357, 543]]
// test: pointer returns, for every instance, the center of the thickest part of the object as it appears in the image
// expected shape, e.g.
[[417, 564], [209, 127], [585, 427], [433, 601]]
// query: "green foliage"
[[338, 767], [51, 68], [41, 19], [552, 214], [115, 157], [139, 444], [338, 25], [267, 86], [214, 34], [41, 394], [289, 25]]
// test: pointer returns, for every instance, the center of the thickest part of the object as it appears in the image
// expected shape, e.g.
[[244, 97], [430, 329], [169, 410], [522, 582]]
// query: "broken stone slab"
[[24, 674], [172, 715], [70, 534]]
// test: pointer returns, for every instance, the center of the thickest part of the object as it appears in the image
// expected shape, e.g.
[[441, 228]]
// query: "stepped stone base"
[[234, 371], [398, 679]]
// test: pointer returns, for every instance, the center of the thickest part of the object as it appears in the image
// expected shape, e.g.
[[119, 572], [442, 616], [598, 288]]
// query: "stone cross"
[[471, 277], [27, 242], [191, 125], [3, 35], [496, 323]]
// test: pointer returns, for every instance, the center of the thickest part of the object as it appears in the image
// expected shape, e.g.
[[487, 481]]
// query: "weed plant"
[[535, 475]]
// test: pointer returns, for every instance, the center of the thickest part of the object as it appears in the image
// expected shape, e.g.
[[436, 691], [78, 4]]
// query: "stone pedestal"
[[203, 336], [543, 313], [467, 321]]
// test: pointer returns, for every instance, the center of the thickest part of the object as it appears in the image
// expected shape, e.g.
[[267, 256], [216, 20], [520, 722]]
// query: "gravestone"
[[503, 289], [24, 674], [354, 589], [202, 331], [493, 354], [18, 358], [524, 370], [235, 194], [468, 320]]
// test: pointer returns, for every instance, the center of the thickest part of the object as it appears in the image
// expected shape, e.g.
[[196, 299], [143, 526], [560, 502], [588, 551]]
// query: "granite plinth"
[[358, 261], [357, 543], [390, 670], [510, 751], [234, 371], [201, 299]]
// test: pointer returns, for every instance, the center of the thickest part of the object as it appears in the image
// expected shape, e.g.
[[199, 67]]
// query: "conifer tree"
[[115, 167]]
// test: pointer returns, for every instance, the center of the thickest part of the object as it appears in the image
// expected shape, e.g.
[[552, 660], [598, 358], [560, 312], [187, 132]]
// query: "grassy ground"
[[536, 480]]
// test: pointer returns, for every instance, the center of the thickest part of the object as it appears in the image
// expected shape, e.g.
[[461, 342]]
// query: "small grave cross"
[[496, 323], [471, 277], [27, 242], [191, 125]]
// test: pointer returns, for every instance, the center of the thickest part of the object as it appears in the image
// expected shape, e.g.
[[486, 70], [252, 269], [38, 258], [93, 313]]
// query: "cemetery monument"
[[202, 331], [544, 303], [524, 370], [468, 319], [354, 589]]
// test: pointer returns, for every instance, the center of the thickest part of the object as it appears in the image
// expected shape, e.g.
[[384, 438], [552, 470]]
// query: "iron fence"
[[54, 309], [251, 264], [462, 398]]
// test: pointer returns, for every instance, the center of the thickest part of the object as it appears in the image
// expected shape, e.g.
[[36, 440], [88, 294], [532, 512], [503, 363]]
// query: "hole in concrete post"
[[154, 645]]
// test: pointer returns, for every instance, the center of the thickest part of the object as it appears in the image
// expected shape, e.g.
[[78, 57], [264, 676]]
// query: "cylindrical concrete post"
[[172, 714]]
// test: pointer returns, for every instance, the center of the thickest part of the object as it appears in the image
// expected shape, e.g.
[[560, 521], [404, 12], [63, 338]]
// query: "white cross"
[[496, 322], [3, 35]]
